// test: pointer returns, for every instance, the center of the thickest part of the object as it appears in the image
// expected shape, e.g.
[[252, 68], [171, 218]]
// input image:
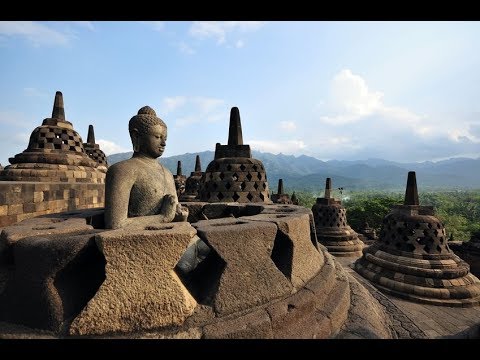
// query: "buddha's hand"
[[181, 213], [168, 209]]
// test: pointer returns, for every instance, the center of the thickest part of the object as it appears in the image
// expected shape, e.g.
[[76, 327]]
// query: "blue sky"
[[402, 91]]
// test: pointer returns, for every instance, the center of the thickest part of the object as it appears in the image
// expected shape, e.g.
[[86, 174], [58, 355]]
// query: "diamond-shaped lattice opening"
[[235, 176], [410, 247], [81, 279], [228, 186], [254, 167], [264, 186], [255, 186], [259, 176], [441, 239], [439, 225], [229, 167], [242, 167], [411, 232], [344, 224], [425, 232], [215, 186], [243, 185], [426, 248], [222, 176], [235, 196], [429, 225], [405, 238], [41, 145], [436, 232], [262, 197], [398, 245], [220, 196], [249, 177], [200, 269], [439, 249], [58, 146], [417, 225], [418, 239], [338, 224], [282, 254], [249, 197]]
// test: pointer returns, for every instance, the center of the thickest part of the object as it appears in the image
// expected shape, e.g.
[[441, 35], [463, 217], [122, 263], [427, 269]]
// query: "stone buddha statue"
[[141, 186]]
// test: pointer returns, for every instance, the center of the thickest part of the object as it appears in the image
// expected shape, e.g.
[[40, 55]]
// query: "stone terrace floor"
[[436, 322]]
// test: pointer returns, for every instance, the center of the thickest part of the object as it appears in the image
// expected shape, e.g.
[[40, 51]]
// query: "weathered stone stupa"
[[234, 176], [294, 199], [192, 185], [93, 150], [412, 259], [332, 228], [55, 153], [180, 180], [280, 197], [366, 233]]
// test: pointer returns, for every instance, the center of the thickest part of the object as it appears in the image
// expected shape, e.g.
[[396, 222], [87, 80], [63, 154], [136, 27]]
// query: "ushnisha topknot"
[[144, 120]]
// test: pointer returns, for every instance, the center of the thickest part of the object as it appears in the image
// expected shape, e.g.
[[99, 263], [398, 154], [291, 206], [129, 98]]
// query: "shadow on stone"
[[282, 254], [203, 281], [77, 283]]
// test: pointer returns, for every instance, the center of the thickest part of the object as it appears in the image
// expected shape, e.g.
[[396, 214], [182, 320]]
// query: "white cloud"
[[170, 104], [15, 119], [219, 30], [85, 24], [185, 48], [36, 33], [275, 147], [350, 100], [155, 25], [109, 147], [239, 44], [206, 104], [288, 126], [187, 110], [33, 92]]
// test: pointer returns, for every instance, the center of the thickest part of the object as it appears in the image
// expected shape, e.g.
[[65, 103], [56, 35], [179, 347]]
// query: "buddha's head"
[[148, 133]]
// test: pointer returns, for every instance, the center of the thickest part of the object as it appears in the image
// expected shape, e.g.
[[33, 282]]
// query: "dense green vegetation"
[[459, 210]]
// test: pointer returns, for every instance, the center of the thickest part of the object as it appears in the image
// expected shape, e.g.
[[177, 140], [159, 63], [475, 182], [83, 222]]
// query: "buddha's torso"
[[153, 182]]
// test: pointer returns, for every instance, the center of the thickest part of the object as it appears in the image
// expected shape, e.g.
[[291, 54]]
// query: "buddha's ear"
[[135, 136]]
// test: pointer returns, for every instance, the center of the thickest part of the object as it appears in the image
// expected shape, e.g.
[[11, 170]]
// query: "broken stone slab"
[[53, 279], [38, 227], [299, 259], [250, 277], [141, 290]]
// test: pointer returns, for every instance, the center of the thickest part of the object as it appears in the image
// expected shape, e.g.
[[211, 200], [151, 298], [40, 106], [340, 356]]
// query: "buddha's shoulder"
[[165, 169], [124, 166]]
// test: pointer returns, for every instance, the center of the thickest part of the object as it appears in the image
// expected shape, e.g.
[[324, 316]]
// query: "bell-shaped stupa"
[[180, 180], [280, 197], [412, 259], [192, 185], [234, 176], [55, 153], [93, 150], [332, 228]]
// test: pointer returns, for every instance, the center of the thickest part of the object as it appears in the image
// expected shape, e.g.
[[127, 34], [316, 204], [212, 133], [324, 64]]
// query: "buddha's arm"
[[118, 184]]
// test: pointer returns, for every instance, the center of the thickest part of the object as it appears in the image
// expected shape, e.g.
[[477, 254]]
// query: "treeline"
[[459, 210]]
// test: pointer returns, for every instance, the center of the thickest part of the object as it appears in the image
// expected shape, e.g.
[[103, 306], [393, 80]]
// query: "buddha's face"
[[153, 143]]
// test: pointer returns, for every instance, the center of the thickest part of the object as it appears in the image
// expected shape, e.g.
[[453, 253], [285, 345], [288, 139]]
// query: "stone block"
[[141, 290], [250, 277]]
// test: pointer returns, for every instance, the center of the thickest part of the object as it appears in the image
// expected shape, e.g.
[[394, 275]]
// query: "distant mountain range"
[[308, 173]]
